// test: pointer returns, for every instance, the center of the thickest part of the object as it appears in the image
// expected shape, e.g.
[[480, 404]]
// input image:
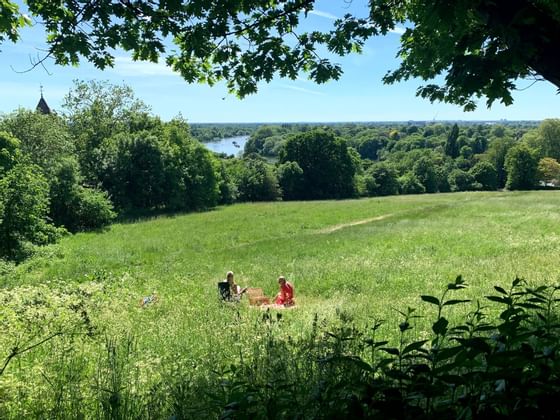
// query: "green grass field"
[[360, 258]]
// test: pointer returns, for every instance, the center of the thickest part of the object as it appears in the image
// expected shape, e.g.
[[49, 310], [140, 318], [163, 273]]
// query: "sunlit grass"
[[423, 242], [414, 245]]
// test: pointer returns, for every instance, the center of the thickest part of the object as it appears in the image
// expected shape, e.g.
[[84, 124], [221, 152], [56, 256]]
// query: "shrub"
[[256, 181], [460, 180], [410, 184], [290, 178], [9, 150], [521, 166], [24, 204], [74, 206], [486, 175], [381, 179]]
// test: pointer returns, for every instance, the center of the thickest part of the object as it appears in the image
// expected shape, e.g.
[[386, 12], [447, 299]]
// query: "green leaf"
[[455, 302], [501, 290], [449, 352], [414, 346], [430, 299], [440, 326], [391, 350], [496, 299]]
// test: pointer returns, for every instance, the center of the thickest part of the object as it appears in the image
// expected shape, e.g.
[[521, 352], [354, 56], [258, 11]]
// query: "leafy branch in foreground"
[[480, 48]]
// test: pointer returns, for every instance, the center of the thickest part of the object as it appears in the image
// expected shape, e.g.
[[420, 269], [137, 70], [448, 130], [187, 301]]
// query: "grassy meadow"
[[353, 260]]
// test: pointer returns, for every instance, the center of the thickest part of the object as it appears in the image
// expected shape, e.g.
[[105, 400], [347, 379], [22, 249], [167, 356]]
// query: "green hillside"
[[356, 259]]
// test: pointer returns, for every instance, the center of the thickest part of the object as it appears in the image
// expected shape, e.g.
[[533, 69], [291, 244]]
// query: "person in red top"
[[286, 295]]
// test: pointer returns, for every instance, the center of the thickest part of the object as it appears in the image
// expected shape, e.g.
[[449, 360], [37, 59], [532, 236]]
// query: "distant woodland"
[[105, 155]]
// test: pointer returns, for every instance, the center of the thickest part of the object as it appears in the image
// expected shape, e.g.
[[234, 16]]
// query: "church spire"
[[42, 106]]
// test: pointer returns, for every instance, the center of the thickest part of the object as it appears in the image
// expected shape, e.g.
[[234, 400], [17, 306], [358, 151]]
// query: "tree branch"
[[17, 352]]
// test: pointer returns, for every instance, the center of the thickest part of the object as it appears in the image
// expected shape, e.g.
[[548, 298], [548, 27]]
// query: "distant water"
[[230, 145]]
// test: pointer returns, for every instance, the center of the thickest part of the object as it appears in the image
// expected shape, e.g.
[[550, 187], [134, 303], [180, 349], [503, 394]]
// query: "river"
[[230, 145]]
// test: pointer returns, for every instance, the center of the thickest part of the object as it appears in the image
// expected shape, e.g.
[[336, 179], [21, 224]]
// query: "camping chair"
[[256, 296], [224, 291]]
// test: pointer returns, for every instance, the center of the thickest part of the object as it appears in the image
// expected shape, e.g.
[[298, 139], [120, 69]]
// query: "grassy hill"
[[354, 260]]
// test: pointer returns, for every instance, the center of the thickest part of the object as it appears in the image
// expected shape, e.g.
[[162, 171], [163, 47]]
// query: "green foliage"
[[548, 170], [478, 48], [135, 176], [484, 366], [496, 155], [96, 111], [460, 180], [410, 184], [521, 165], [11, 21], [290, 179], [226, 184], [256, 180], [159, 170], [381, 179], [481, 47], [369, 148], [75, 207], [44, 139], [451, 146], [9, 149], [425, 172], [485, 174], [24, 205], [499, 359], [327, 165], [547, 139]]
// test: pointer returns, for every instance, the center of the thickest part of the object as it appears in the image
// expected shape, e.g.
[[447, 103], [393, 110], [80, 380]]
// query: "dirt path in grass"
[[340, 226]]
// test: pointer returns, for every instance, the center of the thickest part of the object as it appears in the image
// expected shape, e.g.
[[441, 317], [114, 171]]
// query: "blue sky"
[[358, 96]]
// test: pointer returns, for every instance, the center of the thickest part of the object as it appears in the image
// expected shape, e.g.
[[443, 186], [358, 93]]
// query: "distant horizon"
[[362, 122], [315, 122]]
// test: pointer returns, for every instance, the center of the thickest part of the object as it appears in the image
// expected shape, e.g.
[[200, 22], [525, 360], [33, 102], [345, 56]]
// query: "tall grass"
[[340, 269]]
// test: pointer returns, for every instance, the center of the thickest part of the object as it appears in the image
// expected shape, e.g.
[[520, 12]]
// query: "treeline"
[[418, 158], [105, 154], [208, 132]]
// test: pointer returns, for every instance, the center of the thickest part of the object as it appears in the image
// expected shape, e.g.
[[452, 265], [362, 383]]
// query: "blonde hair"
[[229, 273]]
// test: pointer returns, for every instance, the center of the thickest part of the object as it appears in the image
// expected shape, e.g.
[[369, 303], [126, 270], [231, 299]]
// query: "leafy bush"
[[381, 179], [74, 206], [24, 205], [9, 150], [164, 170], [410, 184], [256, 180], [290, 178], [460, 180], [521, 164], [486, 175]]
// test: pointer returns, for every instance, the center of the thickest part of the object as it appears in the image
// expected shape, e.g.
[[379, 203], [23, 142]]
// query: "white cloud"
[[126, 66], [397, 30], [300, 89], [323, 14]]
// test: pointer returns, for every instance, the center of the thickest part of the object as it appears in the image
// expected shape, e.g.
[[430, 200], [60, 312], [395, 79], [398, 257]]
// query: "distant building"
[[42, 106]]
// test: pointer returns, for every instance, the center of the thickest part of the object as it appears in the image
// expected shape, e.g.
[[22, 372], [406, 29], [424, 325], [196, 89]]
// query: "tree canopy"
[[480, 47]]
